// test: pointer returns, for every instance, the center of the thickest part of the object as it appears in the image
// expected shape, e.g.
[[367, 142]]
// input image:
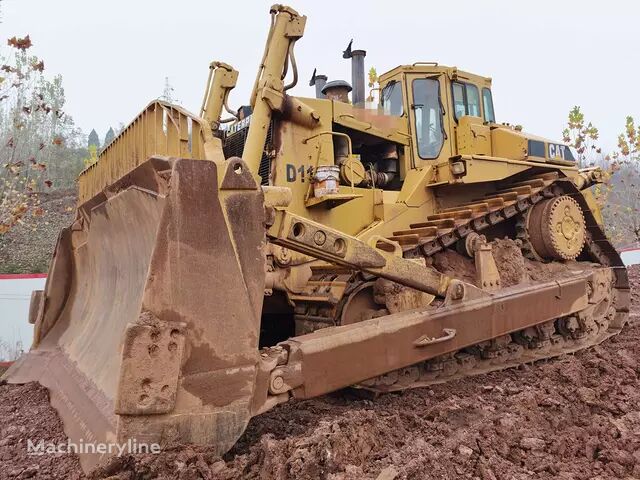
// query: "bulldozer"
[[218, 267]]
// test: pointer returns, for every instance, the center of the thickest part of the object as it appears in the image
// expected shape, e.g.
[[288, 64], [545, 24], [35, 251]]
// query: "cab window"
[[391, 99], [459, 105], [487, 103], [466, 100], [473, 101], [428, 117]]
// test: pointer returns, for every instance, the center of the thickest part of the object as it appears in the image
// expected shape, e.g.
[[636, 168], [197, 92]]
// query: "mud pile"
[[514, 268], [570, 418], [25, 414]]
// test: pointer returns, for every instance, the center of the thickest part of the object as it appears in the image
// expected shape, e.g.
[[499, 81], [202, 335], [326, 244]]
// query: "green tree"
[[628, 144], [108, 138], [93, 156], [373, 80], [619, 196], [94, 140], [583, 136]]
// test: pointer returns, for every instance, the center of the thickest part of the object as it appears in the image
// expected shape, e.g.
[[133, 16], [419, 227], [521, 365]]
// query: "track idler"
[[556, 228]]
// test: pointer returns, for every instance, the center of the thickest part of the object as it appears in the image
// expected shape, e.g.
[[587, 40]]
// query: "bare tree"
[[10, 351], [583, 136], [39, 144], [623, 206]]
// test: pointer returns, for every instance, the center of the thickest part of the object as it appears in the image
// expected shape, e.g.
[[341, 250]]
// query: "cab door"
[[427, 96]]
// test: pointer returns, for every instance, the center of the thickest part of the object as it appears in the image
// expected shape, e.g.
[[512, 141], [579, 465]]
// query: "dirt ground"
[[25, 414], [575, 417]]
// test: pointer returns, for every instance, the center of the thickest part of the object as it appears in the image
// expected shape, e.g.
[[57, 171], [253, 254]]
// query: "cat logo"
[[557, 151]]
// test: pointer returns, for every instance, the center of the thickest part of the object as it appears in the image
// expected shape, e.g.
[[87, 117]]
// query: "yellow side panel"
[[473, 136], [508, 143]]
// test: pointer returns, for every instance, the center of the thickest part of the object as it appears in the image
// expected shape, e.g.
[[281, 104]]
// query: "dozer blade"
[[148, 326]]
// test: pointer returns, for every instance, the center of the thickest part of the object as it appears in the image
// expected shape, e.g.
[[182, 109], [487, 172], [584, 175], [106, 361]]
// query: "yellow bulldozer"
[[218, 267]]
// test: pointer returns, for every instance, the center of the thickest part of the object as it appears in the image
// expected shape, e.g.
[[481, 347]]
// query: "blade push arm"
[[311, 238]]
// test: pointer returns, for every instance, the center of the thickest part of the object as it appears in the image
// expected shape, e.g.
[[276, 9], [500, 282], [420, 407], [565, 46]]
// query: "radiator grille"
[[234, 144]]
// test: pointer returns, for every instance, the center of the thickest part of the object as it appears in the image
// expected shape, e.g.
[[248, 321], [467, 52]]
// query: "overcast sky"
[[544, 56]]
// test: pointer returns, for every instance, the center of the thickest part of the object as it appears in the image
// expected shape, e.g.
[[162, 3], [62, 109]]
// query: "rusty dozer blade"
[[149, 322]]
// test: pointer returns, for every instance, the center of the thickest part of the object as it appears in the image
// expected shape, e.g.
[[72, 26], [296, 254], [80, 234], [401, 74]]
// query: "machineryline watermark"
[[42, 447]]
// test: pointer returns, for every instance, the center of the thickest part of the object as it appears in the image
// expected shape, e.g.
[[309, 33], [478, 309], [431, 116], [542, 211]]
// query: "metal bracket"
[[487, 275], [151, 362], [274, 98]]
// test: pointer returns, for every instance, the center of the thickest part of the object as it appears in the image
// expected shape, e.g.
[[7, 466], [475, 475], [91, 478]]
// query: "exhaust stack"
[[357, 74], [319, 81]]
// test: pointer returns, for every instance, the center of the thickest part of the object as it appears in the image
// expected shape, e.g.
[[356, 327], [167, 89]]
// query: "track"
[[551, 339], [330, 289]]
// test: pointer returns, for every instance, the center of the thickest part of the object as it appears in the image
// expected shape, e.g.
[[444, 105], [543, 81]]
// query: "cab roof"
[[433, 68]]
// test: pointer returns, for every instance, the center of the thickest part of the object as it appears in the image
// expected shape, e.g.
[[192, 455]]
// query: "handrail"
[[160, 129]]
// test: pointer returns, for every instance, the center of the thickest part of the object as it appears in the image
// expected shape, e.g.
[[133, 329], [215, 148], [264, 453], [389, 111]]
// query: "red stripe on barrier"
[[20, 276]]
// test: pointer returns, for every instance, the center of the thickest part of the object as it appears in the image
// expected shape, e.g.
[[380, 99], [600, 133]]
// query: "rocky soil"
[[27, 248], [25, 414], [575, 417]]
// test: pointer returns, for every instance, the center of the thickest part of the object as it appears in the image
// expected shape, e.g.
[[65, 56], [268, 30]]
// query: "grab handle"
[[426, 340]]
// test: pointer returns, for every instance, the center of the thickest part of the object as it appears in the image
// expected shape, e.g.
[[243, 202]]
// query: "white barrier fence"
[[15, 295], [630, 256]]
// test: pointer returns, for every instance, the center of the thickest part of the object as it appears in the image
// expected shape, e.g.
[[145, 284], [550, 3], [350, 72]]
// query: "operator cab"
[[434, 99]]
